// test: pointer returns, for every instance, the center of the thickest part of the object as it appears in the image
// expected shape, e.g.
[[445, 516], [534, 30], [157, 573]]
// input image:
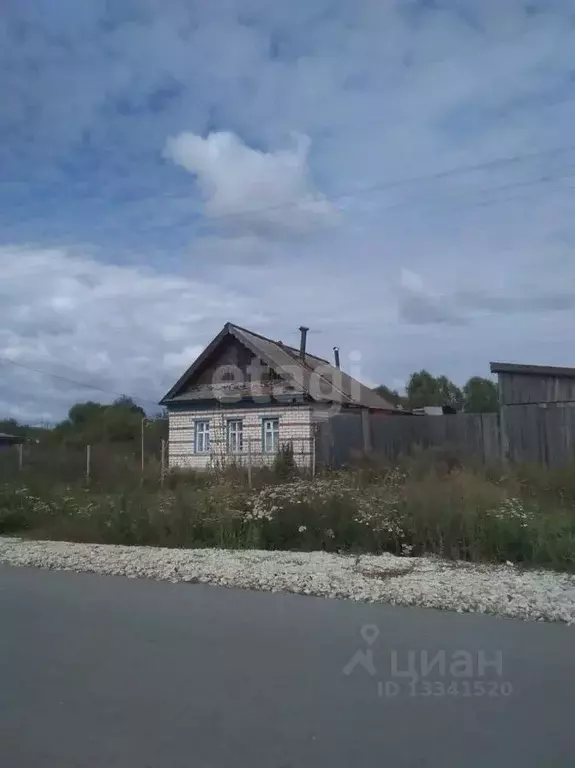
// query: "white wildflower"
[[513, 509]]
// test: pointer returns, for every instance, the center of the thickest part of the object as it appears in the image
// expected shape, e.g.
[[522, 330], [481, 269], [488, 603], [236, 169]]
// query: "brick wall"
[[295, 427]]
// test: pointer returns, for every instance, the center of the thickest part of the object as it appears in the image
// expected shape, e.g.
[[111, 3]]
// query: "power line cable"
[[419, 204], [75, 381], [383, 186], [546, 179], [409, 204]]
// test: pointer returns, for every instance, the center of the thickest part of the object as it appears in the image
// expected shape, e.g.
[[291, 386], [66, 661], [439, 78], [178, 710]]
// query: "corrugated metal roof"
[[318, 378]]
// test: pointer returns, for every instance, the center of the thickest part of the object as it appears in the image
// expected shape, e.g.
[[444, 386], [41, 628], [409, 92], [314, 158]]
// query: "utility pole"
[[163, 463], [142, 441], [88, 463], [142, 448]]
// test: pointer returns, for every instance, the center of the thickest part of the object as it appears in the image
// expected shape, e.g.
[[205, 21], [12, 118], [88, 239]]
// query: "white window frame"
[[270, 434], [202, 436], [235, 436]]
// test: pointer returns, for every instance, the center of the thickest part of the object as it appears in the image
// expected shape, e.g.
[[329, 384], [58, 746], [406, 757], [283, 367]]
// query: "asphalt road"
[[105, 672]]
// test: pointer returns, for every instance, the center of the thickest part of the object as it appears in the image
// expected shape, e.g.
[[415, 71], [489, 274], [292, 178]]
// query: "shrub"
[[426, 505], [284, 464]]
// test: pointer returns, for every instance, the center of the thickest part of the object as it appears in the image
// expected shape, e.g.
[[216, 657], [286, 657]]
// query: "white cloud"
[[263, 191], [130, 329], [441, 300], [120, 329], [183, 358], [419, 304], [413, 282], [381, 92]]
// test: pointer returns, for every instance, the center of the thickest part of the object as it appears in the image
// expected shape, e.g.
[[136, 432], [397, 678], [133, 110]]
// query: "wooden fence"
[[542, 433], [530, 433]]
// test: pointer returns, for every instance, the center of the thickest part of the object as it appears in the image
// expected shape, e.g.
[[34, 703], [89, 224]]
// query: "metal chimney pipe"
[[303, 330], [336, 355]]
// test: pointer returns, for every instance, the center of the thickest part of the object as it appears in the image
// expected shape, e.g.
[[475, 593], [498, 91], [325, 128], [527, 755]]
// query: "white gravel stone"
[[502, 590]]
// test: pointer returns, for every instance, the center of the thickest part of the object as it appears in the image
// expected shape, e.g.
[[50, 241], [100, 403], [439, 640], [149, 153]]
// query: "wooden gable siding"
[[208, 383], [522, 389], [230, 352]]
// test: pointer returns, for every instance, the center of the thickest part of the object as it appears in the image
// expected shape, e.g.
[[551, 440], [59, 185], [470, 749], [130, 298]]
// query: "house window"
[[235, 436], [202, 437], [270, 433]]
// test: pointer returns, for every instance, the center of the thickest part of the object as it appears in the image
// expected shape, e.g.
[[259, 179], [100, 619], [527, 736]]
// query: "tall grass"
[[429, 503]]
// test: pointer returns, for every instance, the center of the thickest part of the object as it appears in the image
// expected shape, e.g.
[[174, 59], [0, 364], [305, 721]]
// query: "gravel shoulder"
[[426, 582]]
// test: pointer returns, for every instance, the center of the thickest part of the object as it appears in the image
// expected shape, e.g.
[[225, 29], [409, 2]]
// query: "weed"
[[430, 503]]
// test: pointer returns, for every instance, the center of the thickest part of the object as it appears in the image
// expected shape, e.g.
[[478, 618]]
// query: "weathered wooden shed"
[[537, 412]]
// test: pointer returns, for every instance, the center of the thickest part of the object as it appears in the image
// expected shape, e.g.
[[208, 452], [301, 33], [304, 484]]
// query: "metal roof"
[[533, 370], [6, 438], [316, 377]]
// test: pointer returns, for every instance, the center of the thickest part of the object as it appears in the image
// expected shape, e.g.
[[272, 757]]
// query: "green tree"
[[450, 393], [83, 413], [92, 422], [425, 389], [121, 425], [11, 427], [123, 420], [391, 395], [480, 396], [127, 404]]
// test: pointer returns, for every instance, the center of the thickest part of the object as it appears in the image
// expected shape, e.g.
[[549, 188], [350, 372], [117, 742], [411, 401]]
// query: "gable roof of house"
[[312, 376]]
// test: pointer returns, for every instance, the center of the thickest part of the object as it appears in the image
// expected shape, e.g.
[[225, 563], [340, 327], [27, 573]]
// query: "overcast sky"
[[397, 175]]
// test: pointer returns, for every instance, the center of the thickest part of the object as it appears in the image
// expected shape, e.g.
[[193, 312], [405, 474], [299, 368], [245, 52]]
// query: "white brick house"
[[246, 396]]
